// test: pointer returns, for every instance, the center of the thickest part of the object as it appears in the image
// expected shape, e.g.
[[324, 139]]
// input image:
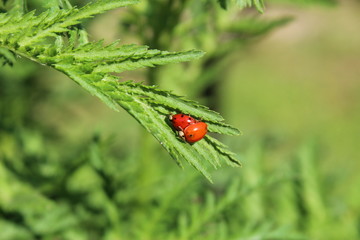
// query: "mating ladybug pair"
[[189, 129]]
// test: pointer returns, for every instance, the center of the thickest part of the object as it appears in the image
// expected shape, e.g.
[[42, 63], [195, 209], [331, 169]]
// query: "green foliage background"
[[71, 168]]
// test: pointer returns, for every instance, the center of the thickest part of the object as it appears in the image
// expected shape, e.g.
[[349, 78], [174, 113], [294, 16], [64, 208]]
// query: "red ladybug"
[[194, 132], [181, 121]]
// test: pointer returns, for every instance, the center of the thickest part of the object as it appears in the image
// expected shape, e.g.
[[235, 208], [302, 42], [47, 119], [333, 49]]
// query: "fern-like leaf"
[[259, 4], [91, 65], [7, 57]]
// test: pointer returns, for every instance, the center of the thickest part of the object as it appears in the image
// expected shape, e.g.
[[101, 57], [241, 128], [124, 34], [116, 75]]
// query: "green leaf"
[[92, 65], [7, 57], [151, 59], [175, 103], [17, 196], [259, 4], [253, 27], [223, 4]]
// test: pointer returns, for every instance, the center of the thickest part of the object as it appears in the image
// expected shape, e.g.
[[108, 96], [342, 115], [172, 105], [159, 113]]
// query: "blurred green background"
[[70, 168]]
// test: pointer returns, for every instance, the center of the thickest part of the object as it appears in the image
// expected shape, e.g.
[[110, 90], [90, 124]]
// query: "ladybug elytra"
[[181, 121], [194, 132], [189, 129]]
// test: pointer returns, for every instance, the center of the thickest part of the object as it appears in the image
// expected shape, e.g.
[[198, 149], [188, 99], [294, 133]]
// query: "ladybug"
[[194, 132], [181, 121]]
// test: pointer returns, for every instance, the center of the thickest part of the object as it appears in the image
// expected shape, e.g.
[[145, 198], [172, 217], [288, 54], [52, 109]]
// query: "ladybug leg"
[[181, 135]]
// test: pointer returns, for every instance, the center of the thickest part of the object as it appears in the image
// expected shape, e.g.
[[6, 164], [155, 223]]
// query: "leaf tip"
[[197, 53]]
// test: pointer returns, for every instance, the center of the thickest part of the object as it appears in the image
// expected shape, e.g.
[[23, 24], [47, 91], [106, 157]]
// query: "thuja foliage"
[[54, 39]]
